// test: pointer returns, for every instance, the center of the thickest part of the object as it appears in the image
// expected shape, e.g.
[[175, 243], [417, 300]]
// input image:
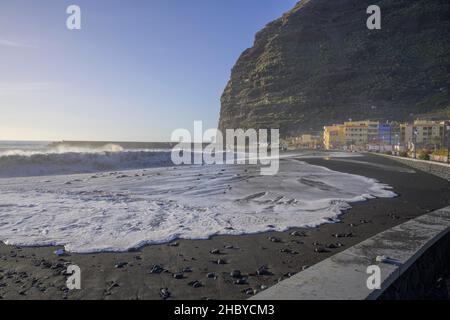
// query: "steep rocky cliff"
[[319, 64]]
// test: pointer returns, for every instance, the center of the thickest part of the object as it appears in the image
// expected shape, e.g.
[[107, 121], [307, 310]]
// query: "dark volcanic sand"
[[37, 273]]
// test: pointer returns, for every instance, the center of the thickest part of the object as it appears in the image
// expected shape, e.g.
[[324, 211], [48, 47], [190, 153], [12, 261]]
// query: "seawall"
[[417, 251]]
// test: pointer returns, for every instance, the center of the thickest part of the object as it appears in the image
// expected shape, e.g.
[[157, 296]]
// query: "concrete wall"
[[412, 247], [441, 170], [419, 281]]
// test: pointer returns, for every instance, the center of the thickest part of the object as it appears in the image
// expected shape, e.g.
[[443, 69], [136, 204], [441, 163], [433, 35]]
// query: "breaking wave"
[[73, 160]]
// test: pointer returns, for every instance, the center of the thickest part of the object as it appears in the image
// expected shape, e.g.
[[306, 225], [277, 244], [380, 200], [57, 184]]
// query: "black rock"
[[215, 251], [249, 291], [164, 293], [263, 271], [178, 275], [343, 235], [289, 274], [220, 261], [211, 275], [156, 269], [298, 234], [274, 239], [235, 274], [195, 284], [321, 250], [187, 270], [289, 251], [241, 281], [121, 265], [173, 244]]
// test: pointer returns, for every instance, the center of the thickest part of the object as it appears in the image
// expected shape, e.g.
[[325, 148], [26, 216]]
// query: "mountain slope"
[[319, 64]]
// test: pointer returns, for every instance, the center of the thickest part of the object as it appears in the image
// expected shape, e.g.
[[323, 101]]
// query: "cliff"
[[319, 64]]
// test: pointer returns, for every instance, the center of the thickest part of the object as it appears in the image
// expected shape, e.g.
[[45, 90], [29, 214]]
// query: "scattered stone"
[[289, 274], [288, 251], [220, 261], [321, 250], [156, 269], [211, 275], [195, 284], [298, 234], [164, 293], [332, 246], [250, 291], [274, 239], [121, 265], [178, 275], [343, 235], [60, 252], [331, 220], [235, 274], [187, 270], [304, 268], [263, 287], [112, 285], [241, 281], [228, 247], [263, 271], [173, 244], [215, 251]]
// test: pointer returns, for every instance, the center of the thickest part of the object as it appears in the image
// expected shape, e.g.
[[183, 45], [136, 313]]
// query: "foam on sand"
[[118, 211]]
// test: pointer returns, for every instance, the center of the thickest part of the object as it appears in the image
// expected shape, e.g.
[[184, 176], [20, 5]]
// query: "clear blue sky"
[[136, 71]]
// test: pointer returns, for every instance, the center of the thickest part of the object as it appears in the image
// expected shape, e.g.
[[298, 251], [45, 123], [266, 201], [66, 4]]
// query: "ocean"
[[92, 197], [27, 158]]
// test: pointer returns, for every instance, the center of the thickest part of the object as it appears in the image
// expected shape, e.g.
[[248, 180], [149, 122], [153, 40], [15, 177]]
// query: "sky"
[[136, 71]]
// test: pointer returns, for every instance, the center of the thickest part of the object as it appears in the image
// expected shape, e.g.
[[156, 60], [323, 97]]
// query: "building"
[[361, 132], [385, 134], [422, 132], [305, 141], [334, 137], [356, 133]]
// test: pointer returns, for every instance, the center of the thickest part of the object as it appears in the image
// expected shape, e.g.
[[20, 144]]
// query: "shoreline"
[[37, 273]]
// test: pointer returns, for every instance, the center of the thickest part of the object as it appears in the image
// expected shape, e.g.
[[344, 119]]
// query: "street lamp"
[[415, 133], [448, 139]]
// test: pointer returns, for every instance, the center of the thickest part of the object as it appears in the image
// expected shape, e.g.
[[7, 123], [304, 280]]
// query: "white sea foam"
[[119, 211]]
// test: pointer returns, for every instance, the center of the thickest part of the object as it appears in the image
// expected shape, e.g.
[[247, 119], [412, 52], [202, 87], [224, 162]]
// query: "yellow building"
[[351, 133], [334, 136]]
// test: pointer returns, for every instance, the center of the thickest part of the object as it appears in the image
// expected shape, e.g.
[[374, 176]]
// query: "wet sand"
[[37, 273]]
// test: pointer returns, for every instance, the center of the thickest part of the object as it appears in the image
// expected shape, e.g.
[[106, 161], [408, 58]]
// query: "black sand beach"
[[37, 273]]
